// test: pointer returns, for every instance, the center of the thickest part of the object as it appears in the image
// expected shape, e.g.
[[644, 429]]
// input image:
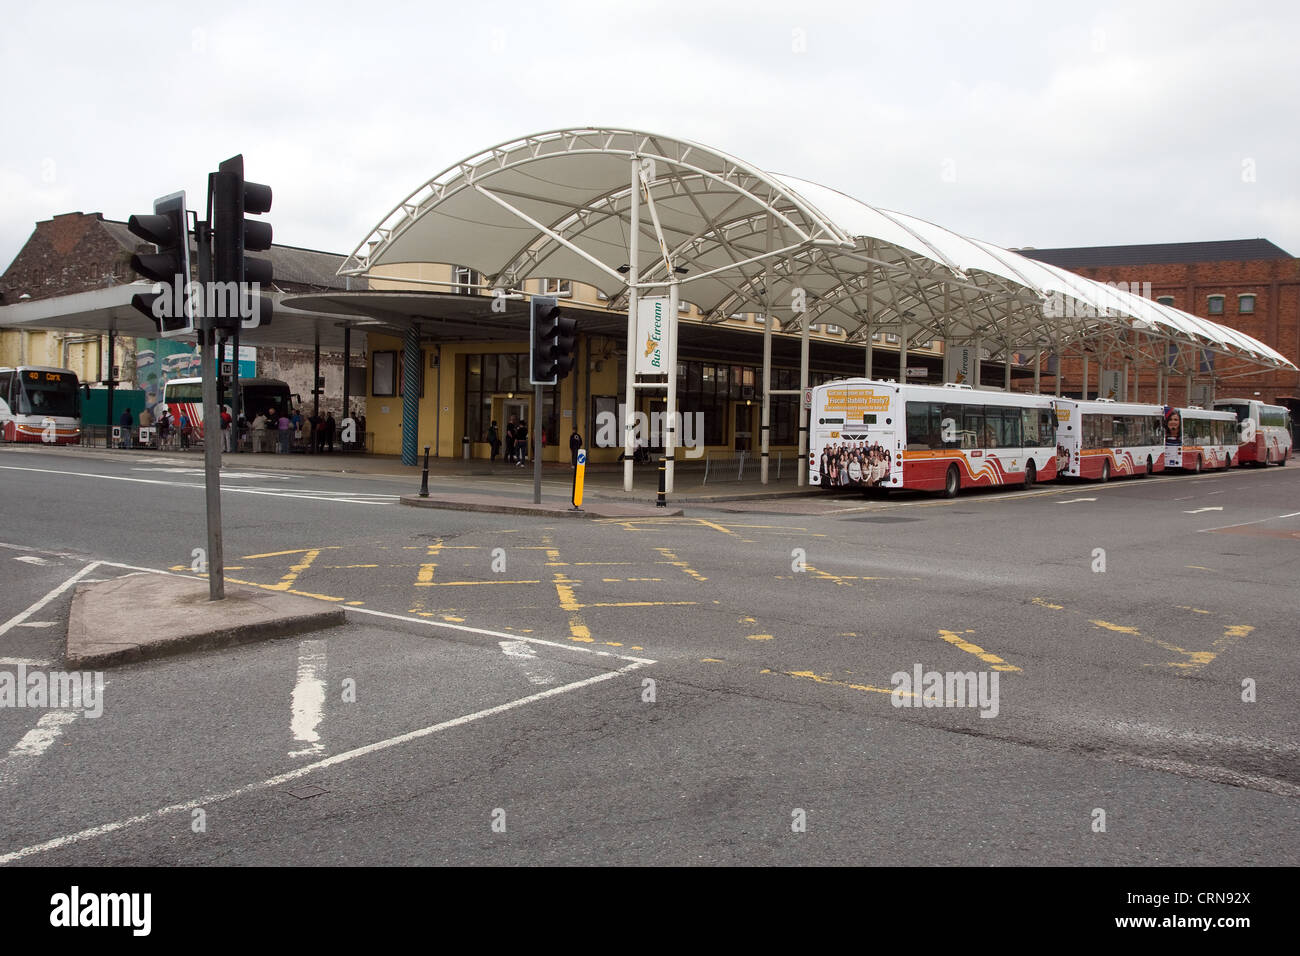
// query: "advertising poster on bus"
[[854, 457]]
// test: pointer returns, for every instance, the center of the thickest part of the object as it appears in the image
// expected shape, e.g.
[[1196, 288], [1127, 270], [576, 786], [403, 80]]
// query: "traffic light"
[[553, 335], [233, 237], [168, 229]]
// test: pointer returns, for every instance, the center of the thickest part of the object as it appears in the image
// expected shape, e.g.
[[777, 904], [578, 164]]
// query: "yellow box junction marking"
[[819, 679], [956, 640], [1194, 659], [672, 559]]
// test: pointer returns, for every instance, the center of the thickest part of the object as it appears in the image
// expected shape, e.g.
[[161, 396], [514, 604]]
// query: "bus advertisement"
[[1198, 438], [1101, 438], [184, 396], [39, 403], [1264, 431], [872, 434]]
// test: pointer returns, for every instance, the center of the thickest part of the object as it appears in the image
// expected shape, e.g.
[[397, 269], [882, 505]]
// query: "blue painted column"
[[410, 394]]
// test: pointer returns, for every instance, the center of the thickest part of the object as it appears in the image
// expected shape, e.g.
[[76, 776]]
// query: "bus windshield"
[[49, 393], [258, 399]]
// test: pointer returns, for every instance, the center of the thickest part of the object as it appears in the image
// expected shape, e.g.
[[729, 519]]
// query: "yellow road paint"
[[715, 526], [710, 660], [1194, 659], [276, 587], [286, 582], [355, 603], [818, 678], [758, 637], [462, 584], [1194, 610], [343, 567], [622, 580], [847, 634], [453, 619], [1044, 603], [280, 554], [640, 604], [672, 559], [956, 640], [425, 575], [1197, 567]]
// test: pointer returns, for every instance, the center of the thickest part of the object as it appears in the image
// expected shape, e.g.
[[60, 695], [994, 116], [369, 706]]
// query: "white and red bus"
[[39, 403], [1264, 431], [1198, 438], [870, 434], [1101, 438], [184, 396]]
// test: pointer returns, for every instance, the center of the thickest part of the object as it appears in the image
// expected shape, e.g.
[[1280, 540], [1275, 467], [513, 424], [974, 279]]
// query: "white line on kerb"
[[107, 828], [23, 615]]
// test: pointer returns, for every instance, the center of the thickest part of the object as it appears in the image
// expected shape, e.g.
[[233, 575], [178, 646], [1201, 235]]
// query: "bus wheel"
[[1105, 470], [951, 482]]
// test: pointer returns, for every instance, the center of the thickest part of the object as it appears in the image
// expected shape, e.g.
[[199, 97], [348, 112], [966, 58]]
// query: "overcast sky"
[[1037, 123]]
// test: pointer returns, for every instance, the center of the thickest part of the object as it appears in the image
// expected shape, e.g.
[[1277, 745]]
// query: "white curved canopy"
[[558, 205]]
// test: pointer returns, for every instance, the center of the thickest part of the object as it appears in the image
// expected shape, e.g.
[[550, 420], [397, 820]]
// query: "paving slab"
[[514, 506], [144, 616]]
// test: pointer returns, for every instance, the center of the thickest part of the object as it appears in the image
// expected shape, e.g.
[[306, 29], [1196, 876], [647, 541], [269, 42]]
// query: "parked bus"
[[871, 434], [1197, 438], [1264, 431], [40, 404], [257, 395], [1100, 438]]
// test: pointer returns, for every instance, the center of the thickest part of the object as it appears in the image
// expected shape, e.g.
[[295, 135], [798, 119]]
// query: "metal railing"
[[730, 466]]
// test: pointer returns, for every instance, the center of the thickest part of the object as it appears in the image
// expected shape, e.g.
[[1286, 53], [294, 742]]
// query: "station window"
[[891, 337], [1165, 300], [1215, 304], [557, 287], [1246, 304], [466, 280], [833, 329]]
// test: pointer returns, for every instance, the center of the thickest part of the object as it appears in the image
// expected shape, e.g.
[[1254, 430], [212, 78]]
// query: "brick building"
[[1247, 284], [79, 252]]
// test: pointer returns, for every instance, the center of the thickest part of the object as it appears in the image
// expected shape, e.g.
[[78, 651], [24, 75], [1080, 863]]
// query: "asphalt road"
[[714, 688]]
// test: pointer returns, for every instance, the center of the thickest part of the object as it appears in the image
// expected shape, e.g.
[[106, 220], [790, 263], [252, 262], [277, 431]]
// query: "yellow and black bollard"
[[424, 480]]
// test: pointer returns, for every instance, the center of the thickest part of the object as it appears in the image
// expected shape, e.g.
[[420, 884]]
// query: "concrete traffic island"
[[145, 616], [510, 506]]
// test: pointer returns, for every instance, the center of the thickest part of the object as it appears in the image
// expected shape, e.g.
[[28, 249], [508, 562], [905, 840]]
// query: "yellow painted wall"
[[45, 347]]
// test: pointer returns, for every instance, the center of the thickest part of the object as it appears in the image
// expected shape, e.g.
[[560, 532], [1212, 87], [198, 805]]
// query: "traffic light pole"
[[211, 422], [537, 444]]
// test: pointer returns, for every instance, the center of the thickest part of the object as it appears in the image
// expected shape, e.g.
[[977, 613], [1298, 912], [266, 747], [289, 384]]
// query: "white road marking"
[[582, 649], [31, 559], [34, 743], [1070, 501], [1197, 511], [276, 781], [1243, 524], [23, 615], [344, 497], [309, 698], [522, 653], [22, 662], [44, 623]]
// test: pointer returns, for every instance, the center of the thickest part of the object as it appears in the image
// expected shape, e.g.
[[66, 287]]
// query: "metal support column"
[[765, 423], [633, 300], [803, 412], [347, 368], [410, 394], [236, 400], [1084, 393], [902, 354], [112, 383], [670, 427]]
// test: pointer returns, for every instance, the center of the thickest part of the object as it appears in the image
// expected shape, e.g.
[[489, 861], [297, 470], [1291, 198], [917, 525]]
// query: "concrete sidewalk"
[[145, 616]]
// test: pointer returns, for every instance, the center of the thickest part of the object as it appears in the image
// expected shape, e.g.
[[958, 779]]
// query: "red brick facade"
[[1275, 283], [69, 253]]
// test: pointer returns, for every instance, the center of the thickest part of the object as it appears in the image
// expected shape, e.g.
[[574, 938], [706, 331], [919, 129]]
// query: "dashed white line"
[[308, 700]]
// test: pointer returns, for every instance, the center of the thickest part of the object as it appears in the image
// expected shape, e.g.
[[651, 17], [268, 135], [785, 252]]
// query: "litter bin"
[[464, 447]]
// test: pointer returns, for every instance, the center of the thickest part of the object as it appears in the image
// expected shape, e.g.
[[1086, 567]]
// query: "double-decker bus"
[[39, 403], [872, 434], [184, 396], [1264, 431], [1102, 438], [1198, 438]]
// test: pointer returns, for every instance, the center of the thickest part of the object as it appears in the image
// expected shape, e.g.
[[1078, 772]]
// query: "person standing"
[[127, 422], [512, 432], [575, 445], [185, 431], [259, 433], [494, 441], [164, 428], [521, 443], [286, 434], [226, 422], [330, 427]]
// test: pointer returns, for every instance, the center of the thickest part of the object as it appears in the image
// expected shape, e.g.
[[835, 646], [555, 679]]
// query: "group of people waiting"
[[516, 443]]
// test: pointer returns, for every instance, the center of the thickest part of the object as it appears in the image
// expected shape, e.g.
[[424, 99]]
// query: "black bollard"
[[662, 500], [424, 480]]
